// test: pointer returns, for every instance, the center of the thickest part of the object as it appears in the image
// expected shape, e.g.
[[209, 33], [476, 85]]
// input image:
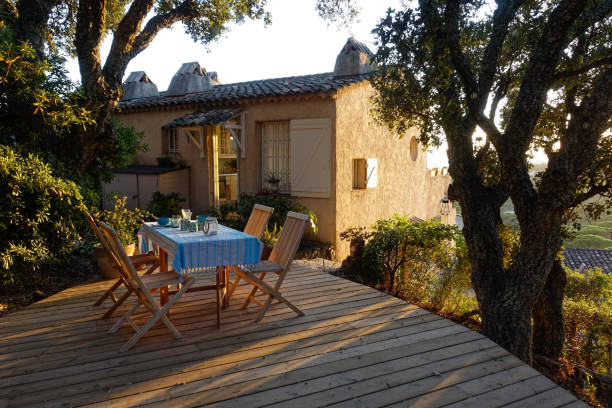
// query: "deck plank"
[[355, 346]]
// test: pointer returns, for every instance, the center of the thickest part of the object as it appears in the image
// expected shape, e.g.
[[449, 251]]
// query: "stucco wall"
[[404, 186], [250, 168], [151, 123]]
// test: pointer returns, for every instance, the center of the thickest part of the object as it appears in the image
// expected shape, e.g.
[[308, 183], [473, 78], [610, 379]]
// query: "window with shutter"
[[310, 143]]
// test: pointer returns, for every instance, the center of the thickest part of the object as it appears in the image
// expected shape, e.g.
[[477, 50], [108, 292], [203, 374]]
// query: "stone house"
[[308, 137]]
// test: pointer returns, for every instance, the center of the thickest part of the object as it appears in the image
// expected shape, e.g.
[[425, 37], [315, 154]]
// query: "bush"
[[587, 312], [236, 214], [125, 222], [39, 214], [165, 205]]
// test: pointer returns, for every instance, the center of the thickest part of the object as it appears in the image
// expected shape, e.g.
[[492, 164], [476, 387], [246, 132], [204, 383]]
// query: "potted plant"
[[274, 183], [126, 224], [357, 238]]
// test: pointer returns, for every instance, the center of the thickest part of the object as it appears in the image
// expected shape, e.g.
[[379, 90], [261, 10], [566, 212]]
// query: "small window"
[[173, 140], [365, 173], [359, 174]]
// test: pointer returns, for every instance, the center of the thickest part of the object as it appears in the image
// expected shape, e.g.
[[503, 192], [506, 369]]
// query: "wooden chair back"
[[125, 264], [289, 239], [258, 220], [101, 239]]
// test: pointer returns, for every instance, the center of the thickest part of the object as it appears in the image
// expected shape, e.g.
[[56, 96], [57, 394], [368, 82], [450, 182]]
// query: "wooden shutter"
[[310, 157], [371, 173]]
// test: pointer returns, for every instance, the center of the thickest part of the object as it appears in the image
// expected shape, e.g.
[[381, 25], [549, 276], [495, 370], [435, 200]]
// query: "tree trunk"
[[506, 319], [548, 332], [31, 25]]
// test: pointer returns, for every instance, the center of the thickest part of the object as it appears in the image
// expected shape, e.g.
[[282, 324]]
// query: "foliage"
[[453, 291], [165, 205], [355, 233], [270, 236], [125, 222], [36, 99], [39, 215], [587, 310], [418, 250], [237, 214]]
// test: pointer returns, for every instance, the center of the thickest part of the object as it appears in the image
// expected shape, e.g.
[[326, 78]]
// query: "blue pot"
[[163, 221]]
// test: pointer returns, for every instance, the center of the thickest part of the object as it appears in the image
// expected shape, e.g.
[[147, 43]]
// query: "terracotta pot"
[[104, 265]]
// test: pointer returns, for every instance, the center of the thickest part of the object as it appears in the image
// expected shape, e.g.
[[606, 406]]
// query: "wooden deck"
[[354, 347]]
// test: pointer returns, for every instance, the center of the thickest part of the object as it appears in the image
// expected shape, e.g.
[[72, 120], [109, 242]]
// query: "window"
[[173, 140], [365, 173], [276, 157]]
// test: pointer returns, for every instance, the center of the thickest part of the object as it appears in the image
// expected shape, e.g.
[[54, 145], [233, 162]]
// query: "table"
[[189, 252]]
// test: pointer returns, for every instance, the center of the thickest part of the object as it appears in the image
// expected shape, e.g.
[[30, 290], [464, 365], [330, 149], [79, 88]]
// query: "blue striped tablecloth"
[[191, 251]]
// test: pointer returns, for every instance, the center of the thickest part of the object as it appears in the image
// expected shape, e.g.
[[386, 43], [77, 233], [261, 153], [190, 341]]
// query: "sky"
[[297, 42]]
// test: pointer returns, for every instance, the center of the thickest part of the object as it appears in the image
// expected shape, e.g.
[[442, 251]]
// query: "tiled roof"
[[202, 118], [575, 257], [141, 169], [228, 93]]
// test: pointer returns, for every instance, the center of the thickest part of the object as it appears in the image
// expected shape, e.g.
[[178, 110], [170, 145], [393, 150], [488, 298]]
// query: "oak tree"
[[526, 74]]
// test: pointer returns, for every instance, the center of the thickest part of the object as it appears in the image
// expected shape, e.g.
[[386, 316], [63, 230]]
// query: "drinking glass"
[[175, 221]]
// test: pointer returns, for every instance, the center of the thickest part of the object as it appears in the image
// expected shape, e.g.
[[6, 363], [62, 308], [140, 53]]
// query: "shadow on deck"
[[354, 347]]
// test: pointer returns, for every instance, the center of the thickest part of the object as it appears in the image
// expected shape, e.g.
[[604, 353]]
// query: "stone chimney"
[[190, 78], [354, 59], [138, 85]]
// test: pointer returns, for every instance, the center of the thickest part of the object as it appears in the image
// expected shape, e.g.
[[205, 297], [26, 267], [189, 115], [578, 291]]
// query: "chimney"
[[354, 59], [190, 78], [138, 85]]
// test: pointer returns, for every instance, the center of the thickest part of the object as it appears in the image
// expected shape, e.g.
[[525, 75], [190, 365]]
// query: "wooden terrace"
[[355, 347]]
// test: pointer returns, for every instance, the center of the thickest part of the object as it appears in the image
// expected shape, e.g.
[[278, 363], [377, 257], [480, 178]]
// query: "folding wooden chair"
[[143, 286], [139, 261], [279, 262], [258, 220]]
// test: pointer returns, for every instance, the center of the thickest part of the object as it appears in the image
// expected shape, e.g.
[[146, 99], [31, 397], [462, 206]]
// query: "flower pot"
[[104, 265]]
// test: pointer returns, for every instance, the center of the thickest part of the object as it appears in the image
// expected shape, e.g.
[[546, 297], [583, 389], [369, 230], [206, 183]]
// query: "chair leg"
[[251, 294], [233, 287], [218, 299], [123, 319], [160, 314], [119, 302], [108, 292]]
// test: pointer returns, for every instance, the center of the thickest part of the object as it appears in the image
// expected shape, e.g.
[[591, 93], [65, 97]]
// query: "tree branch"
[[501, 20], [91, 16], [538, 77], [184, 11], [127, 29], [451, 20], [585, 68]]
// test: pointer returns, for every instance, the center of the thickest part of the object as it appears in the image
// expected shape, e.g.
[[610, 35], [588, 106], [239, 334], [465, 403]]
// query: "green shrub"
[[236, 214], [587, 312], [416, 250], [39, 214], [165, 205], [453, 291], [125, 222]]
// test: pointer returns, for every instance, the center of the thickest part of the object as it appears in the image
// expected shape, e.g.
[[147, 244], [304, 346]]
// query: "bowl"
[[163, 221]]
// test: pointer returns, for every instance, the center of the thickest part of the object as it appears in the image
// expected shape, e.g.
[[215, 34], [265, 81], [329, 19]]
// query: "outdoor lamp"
[[445, 206]]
